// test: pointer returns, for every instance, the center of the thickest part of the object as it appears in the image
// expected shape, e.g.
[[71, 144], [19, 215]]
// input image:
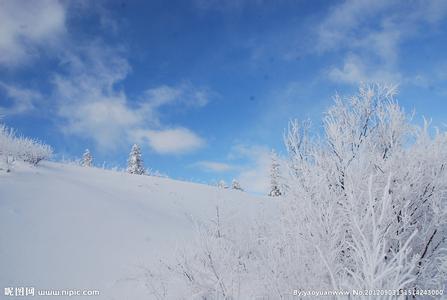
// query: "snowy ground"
[[68, 227]]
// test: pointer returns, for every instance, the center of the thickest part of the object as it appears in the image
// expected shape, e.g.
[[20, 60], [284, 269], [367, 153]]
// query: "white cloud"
[[371, 33], [87, 95], [161, 95], [256, 180], [107, 121], [184, 94], [255, 176], [355, 71], [93, 106], [23, 100], [170, 141], [213, 166], [27, 26], [345, 21], [87, 99]]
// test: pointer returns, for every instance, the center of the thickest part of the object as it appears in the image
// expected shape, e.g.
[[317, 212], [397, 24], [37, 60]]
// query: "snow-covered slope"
[[68, 227]]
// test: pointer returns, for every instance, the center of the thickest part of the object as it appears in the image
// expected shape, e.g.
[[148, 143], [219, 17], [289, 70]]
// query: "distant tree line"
[[134, 162]]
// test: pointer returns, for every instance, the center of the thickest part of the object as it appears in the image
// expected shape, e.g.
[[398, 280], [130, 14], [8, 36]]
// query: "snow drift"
[[69, 227]]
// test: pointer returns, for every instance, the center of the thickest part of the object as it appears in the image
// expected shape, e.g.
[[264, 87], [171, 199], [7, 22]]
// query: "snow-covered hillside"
[[69, 227]]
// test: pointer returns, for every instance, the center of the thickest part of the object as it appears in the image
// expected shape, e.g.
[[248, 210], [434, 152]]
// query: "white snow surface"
[[69, 227]]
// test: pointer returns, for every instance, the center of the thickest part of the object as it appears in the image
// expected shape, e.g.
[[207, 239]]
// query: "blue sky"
[[207, 87]]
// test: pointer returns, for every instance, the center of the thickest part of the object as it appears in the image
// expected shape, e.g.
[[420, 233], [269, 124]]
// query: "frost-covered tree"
[[32, 151], [87, 159], [369, 197], [135, 162], [235, 185], [275, 185], [213, 265], [366, 208], [7, 147], [13, 147]]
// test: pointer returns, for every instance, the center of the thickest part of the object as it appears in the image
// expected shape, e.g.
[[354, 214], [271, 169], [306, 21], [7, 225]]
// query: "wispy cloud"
[[169, 141], [248, 163], [93, 105], [214, 166], [87, 100], [254, 175], [344, 24], [183, 94], [87, 95], [370, 33], [22, 100], [355, 70], [28, 26]]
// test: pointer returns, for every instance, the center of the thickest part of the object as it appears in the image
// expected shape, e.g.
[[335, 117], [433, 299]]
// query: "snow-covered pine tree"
[[135, 162], [235, 185], [275, 189], [87, 159]]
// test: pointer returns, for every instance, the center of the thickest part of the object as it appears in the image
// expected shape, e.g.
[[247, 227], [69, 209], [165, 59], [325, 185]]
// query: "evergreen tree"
[[135, 162], [275, 189], [87, 159], [235, 185]]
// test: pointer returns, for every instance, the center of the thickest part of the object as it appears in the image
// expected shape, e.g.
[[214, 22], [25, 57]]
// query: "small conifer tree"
[[87, 159], [135, 162]]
